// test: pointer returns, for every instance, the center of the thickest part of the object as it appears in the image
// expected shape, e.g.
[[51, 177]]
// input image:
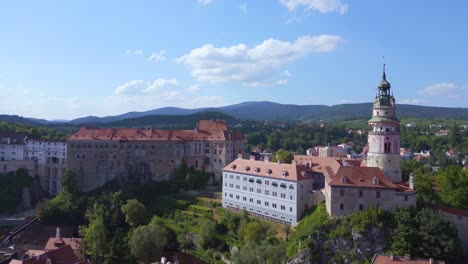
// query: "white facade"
[[272, 198], [11, 151]]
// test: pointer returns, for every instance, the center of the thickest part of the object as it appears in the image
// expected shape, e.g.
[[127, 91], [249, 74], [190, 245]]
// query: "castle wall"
[[346, 200], [388, 163]]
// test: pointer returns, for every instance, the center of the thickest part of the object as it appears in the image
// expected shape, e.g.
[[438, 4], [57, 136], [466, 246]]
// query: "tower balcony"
[[384, 133]]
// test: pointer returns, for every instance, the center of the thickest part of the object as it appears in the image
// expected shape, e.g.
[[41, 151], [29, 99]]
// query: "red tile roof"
[[358, 177], [57, 256], [206, 130], [385, 259], [449, 210], [292, 172], [54, 243]]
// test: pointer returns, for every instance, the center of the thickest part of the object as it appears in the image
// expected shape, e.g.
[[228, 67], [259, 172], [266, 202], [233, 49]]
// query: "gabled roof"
[[281, 171], [57, 256], [53, 243], [359, 177]]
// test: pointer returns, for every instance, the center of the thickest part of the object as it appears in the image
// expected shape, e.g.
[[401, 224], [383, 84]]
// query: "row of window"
[[377, 193], [259, 181], [259, 191], [259, 202], [260, 212]]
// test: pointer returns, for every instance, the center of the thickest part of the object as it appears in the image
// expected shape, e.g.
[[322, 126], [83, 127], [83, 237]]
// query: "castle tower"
[[384, 133]]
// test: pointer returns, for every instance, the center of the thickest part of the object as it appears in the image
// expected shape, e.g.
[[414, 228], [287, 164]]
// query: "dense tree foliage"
[[425, 234], [135, 212], [11, 189], [35, 131], [259, 253], [147, 242], [453, 186]]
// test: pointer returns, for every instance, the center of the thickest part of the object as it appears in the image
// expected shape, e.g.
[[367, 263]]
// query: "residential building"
[[411, 125], [405, 154]]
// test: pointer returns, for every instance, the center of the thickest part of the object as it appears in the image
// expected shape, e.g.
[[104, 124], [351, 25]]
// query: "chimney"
[[407, 256], [294, 162], [411, 181], [431, 261], [239, 155], [266, 158], [391, 257], [57, 232], [280, 161]]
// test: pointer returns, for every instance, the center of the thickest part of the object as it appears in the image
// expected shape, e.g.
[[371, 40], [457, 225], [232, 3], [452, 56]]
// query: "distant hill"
[[168, 121], [263, 110]]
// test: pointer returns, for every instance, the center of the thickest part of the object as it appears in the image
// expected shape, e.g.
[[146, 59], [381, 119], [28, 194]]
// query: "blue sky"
[[67, 59]]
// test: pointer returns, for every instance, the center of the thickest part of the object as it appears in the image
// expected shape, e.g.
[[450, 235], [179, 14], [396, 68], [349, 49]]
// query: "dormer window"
[[375, 180], [233, 167], [246, 168], [343, 179], [284, 173], [268, 171], [257, 170]]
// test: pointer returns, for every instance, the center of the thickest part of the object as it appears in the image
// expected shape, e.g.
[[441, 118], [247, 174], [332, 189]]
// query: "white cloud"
[[264, 84], [255, 64], [323, 6], [134, 52], [285, 73], [158, 56], [194, 88], [243, 7], [414, 101], [140, 86], [448, 89], [159, 84], [205, 2]]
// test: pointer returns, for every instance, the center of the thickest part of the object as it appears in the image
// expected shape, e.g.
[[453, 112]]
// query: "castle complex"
[[98, 155], [282, 192]]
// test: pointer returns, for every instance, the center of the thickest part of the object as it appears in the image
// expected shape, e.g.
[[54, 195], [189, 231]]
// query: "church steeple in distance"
[[384, 133]]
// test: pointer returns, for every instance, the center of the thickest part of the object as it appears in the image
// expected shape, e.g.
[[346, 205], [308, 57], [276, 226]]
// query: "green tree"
[[206, 231], [424, 185], [69, 182], [453, 186], [283, 155], [425, 234], [454, 136], [135, 212], [95, 238], [263, 253], [254, 231], [408, 167], [147, 242]]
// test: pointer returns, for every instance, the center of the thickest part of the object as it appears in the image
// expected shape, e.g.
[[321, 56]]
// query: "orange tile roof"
[[318, 164], [359, 177], [450, 210], [54, 243], [293, 172], [207, 130], [385, 259], [57, 256]]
